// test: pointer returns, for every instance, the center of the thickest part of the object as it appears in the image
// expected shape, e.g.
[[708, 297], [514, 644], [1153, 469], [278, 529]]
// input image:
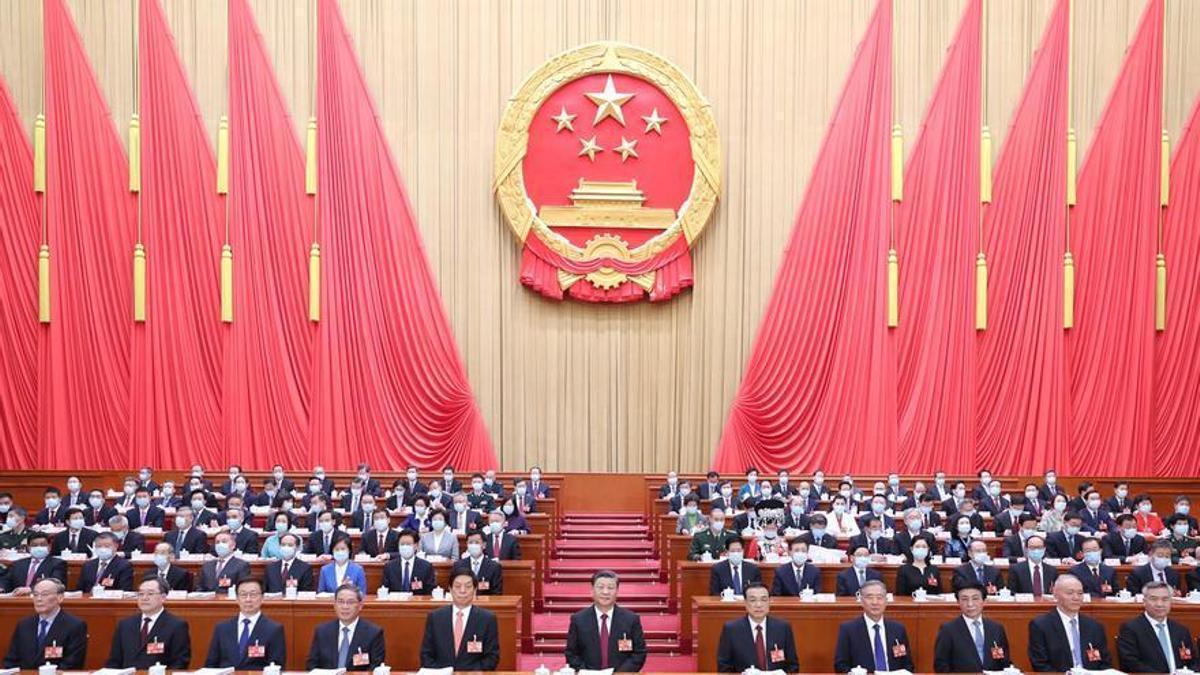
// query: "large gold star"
[[626, 149], [654, 122], [609, 102], [590, 148], [564, 120]]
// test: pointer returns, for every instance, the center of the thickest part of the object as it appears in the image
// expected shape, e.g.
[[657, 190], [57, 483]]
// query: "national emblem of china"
[[607, 168]]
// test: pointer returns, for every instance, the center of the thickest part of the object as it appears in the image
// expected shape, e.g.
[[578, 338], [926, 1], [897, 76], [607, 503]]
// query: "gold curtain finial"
[[314, 283], [893, 288], [44, 284], [981, 291], [223, 156], [1068, 290], [1160, 292], [39, 153], [310, 158], [139, 283], [226, 284], [135, 154]]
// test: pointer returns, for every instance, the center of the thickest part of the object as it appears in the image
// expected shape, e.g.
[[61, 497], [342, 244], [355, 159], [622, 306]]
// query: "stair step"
[[572, 606], [600, 547], [652, 646], [584, 576], [597, 563], [585, 554]]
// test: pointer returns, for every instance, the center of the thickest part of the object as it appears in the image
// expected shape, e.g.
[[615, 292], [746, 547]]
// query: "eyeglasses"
[[346, 602], [147, 594], [249, 595]]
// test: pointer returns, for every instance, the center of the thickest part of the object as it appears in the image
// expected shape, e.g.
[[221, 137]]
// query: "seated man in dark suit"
[[851, 580], [168, 640], [226, 571], [23, 573], [1123, 541], [186, 537], [1014, 544], [1157, 569], [489, 577], [1062, 638], [796, 576], [248, 641], [55, 512], [289, 571], [670, 487], [174, 576], [733, 572], [50, 635], [978, 570], [604, 635], [1008, 521], [406, 573], [144, 513], [817, 534], [349, 641], [1151, 642], [379, 539], [757, 640], [915, 527], [460, 635], [128, 541], [244, 539], [106, 569], [1098, 579], [970, 643], [496, 533], [97, 511], [361, 518], [1094, 515], [1034, 575], [872, 641], [872, 539], [76, 538], [1067, 544], [479, 499], [325, 535]]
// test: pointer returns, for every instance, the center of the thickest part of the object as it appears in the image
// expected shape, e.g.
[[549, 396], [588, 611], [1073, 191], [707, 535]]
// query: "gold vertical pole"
[[135, 179], [985, 179], [897, 165], [310, 184], [1068, 259], [39, 186], [1164, 199]]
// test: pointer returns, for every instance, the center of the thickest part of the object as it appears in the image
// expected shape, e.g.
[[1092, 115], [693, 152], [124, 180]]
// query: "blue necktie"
[[979, 641], [43, 628], [405, 579], [1074, 637], [245, 638], [881, 664], [737, 582], [344, 648]]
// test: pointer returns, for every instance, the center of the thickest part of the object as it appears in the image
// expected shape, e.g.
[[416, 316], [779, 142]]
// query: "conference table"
[[403, 623], [693, 580], [816, 625]]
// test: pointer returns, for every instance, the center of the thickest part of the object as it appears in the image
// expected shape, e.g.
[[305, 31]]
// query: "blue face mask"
[[1036, 554], [341, 555], [817, 533], [1091, 557]]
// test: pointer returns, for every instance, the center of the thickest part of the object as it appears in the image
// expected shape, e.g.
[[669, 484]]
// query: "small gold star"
[[654, 122], [609, 102], [564, 120], [590, 148], [626, 149]]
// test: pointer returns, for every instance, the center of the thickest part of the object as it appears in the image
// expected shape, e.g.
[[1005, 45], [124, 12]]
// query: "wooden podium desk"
[[815, 625], [403, 624]]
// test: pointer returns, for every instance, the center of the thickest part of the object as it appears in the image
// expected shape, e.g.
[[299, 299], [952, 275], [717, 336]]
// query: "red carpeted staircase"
[[619, 542]]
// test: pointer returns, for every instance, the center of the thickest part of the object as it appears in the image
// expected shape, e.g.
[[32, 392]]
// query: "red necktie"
[[603, 641], [1037, 582], [145, 630], [33, 567], [760, 648], [496, 547]]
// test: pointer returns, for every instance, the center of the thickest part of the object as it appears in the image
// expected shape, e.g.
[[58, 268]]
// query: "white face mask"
[[382, 525], [74, 486], [288, 552], [341, 555], [799, 557], [406, 551], [474, 549], [96, 502], [735, 557]]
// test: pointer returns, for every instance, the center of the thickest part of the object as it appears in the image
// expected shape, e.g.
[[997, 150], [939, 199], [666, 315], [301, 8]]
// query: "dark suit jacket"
[[316, 543], [118, 574], [786, 584], [855, 646], [1096, 584], [904, 541], [246, 540], [223, 646], [83, 543], [235, 570], [47, 517], [422, 578], [583, 640], [1139, 650], [1115, 546], [909, 579], [883, 545], [367, 638], [847, 580], [93, 516], [18, 572], [1020, 579], [1100, 521], [195, 541], [154, 517], [134, 542], [437, 647], [1047, 493], [1050, 649], [736, 651], [1118, 506], [510, 547], [490, 574], [129, 652], [954, 648], [720, 577], [827, 540], [1013, 548], [1056, 546], [370, 542], [1143, 574], [299, 570], [178, 578], [67, 632], [965, 574]]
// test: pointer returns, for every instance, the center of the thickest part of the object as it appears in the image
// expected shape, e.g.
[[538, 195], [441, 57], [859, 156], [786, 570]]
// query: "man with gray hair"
[[50, 635], [1151, 642], [348, 641], [153, 635], [128, 541], [872, 641], [1062, 638], [605, 635]]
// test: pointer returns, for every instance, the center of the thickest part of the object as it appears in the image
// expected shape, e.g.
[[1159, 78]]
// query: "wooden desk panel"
[[816, 625], [403, 624]]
